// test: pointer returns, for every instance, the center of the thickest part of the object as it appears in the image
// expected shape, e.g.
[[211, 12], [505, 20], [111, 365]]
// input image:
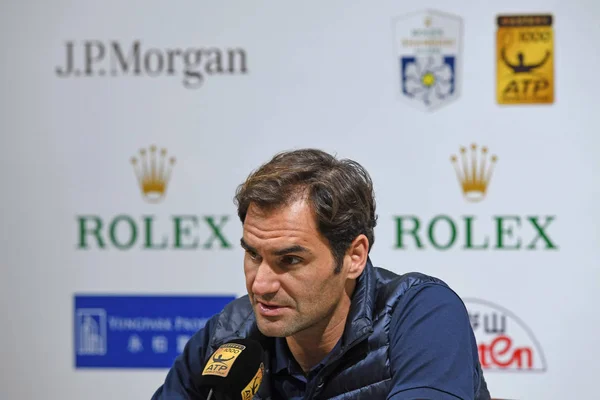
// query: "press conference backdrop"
[[126, 127]]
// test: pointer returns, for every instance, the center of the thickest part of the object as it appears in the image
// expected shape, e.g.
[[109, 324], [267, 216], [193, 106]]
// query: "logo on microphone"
[[504, 342], [221, 361], [250, 390]]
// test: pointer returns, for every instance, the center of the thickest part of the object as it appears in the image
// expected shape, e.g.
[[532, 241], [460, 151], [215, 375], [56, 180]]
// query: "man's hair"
[[340, 193]]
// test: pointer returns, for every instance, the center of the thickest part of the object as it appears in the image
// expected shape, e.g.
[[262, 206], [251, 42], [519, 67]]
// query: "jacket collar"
[[359, 324], [360, 317]]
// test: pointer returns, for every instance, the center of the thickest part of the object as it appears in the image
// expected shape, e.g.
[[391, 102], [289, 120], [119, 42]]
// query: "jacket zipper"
[[333, 363]]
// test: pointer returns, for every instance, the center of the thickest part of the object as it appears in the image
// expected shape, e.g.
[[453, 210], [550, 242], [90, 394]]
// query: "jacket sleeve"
[[181, 382], [433, 353]]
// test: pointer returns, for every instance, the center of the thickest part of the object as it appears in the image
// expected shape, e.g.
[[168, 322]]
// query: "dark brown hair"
[[340, 193]]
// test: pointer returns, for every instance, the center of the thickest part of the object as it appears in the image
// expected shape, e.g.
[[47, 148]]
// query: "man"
[[332, 325]]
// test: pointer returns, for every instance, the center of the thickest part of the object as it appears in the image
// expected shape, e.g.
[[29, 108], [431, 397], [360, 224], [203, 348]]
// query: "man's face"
[[289, 270]]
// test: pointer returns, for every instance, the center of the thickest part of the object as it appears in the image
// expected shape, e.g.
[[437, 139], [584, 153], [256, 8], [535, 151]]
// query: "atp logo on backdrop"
[[152, 172], [98, 59], [525, 59], [474, 167], [504, 341], [428, 46]]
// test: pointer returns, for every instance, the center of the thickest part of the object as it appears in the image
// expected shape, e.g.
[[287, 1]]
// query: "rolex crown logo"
[[473, 172], [153, 171]]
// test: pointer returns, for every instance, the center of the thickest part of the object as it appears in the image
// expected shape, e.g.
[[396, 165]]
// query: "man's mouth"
[[269, 309]]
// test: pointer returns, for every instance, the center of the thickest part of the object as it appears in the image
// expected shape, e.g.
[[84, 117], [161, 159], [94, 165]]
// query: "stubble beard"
[[294, 324], [283, 327]]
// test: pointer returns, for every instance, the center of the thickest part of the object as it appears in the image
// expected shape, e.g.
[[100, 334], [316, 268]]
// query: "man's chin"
[[273, 329]]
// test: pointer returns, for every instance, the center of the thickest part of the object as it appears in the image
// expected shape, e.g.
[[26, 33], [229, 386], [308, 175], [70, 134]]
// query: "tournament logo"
[[525, 59], [427, 48], [221, 361], [504, 341]]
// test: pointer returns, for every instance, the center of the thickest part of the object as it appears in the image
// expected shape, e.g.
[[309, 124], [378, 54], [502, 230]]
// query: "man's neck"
[[308, 352]]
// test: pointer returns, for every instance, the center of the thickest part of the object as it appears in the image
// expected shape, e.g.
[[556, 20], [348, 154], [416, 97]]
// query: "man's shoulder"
[[235, 313], [391, 285], [241, 305]]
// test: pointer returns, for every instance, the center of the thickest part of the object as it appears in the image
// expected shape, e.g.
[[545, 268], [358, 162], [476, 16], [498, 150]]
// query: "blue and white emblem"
[[428, 47]]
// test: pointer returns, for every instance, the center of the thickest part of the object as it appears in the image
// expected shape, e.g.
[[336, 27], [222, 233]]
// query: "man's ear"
[[357, 255]]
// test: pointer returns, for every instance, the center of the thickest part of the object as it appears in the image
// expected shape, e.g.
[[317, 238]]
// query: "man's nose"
[[266, 281]]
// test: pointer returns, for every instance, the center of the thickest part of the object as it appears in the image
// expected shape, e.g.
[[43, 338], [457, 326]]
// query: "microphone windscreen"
[[236, 368]]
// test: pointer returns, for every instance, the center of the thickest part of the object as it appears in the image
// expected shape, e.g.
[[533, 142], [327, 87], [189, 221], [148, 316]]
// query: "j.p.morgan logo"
[[94, 58]]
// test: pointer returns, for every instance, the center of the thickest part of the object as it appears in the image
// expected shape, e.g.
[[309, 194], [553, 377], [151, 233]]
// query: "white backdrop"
[[309, 74]]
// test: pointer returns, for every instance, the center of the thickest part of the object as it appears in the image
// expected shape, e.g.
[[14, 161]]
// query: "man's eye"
[[290, 260], [252, 255]]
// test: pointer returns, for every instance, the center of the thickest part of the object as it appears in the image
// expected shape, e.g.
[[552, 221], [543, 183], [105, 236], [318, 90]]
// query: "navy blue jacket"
[[361, 367]]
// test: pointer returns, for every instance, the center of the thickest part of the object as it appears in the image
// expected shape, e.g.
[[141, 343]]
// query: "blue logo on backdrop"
[[138, 331]]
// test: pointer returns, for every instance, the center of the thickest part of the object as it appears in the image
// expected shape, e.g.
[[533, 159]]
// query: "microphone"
[[234, 370]]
